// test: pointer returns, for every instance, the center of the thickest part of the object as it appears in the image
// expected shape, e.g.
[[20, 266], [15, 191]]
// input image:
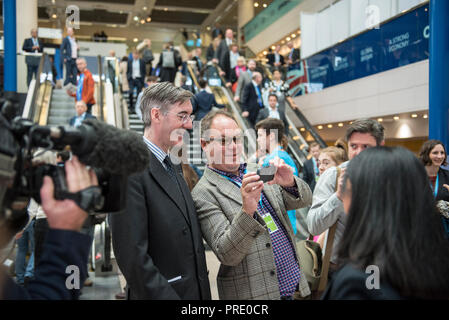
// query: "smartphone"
[[267, 173]]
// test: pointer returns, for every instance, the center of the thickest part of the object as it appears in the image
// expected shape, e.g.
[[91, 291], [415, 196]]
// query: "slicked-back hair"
[[426, 148], [164, 96], [366, 125], [393, 223]]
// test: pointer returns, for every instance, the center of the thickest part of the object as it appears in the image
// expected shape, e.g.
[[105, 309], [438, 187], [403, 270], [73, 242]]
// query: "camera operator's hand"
[[66, 214]]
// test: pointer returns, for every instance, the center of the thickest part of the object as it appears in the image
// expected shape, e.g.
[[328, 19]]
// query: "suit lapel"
[[228, 189], [162, 177]]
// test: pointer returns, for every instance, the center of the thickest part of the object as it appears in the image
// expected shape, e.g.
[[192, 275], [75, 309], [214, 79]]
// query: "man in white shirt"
[[273, 112]]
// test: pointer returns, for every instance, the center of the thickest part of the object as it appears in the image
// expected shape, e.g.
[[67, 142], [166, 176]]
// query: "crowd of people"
[[388, 207]]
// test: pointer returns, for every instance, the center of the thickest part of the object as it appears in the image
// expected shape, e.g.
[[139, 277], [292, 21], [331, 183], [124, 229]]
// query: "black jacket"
[[271, 59], [129, 72], [309, 174], [27, 47], [61, 249], [265, 112], [202, 103], [295, 55], [66, 49], [249, 102], [349, 283], [158, 238]]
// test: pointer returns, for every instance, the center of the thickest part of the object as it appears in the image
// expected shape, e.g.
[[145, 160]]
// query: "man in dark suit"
[[203, 102], [69, 54], [81, 114], [276, 60], [273, 112], [252, 101], [311, 171], [157, 242], [293, 56], [221, 55], [32, 45], [136, 76]]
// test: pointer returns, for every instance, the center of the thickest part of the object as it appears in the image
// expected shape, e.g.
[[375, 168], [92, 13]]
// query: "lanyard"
[[435, 190]]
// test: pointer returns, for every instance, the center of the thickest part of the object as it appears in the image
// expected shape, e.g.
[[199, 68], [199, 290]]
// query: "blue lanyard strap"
[[435, 190]]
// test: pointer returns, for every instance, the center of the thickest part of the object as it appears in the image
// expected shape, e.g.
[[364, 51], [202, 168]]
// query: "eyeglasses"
[[226, 141], [184, 117]]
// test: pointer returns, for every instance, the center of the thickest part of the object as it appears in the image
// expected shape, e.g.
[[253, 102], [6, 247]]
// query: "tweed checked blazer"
[[241, 242]]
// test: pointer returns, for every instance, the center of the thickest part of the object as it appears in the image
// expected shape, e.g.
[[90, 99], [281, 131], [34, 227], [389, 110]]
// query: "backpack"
[[147, 56], [168, 59]]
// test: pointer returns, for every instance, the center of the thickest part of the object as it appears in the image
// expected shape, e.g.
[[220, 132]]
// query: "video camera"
[[20, 180]]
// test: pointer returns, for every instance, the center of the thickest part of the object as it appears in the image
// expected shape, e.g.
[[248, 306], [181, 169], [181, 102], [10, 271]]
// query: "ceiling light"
[[293, 36], [149, 19], [283, 41], [414, 115], [273, 47], [256, 4], [329, 126], [54, 16], [135, 39], [142, 21], [264, 5], [265, 53], [396, 118], [302, 129], [340, 124], [165, 9], [320, 127], [145, 8], [288, 38], [425, 116], [380, 119], [299, 31], [136, 18], [208, 28]]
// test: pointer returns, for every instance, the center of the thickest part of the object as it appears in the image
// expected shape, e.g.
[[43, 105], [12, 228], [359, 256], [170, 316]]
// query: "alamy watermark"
[[373, 280], [73, 280], [73, 17]]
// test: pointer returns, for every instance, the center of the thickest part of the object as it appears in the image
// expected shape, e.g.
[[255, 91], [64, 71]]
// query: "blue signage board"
[[396, 43]]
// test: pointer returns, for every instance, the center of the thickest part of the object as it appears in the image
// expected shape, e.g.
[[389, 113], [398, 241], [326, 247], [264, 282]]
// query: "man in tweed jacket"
[[245, 221]]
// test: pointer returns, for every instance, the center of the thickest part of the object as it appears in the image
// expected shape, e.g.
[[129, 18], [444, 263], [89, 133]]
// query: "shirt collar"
[[242, 170], [158, 152]]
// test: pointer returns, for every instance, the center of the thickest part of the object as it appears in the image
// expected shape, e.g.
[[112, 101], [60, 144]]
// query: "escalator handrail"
[[193, 76], [33, 111], [301, 116], [100, 73]]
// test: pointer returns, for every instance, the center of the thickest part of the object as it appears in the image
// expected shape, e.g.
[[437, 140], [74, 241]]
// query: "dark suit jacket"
[[129, 72], [295, 55], [443, 194], [66, 49], [264, 113], [349, 283], [249, 102], [221, 55], [271, 59], [88, 116], [62, 248], [27, 47], [158, 239], [202, 103], [309, 174]]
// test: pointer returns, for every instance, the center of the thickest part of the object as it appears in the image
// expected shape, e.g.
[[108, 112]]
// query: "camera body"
[[20, 180]]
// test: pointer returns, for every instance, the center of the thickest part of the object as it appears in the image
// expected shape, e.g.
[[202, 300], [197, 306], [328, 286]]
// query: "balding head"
[[229, 34], [34, 33]]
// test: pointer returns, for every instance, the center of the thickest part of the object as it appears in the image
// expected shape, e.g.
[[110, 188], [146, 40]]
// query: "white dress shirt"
[[74, 47], [136, 69]]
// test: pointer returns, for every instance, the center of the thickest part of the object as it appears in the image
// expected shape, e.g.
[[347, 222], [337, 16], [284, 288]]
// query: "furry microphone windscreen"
[[116, 151]]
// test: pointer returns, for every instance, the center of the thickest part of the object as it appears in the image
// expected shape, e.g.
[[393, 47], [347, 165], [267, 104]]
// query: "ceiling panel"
[[179, 17], [205, 4]]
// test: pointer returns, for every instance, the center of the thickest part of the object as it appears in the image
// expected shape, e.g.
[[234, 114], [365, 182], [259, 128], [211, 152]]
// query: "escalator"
[[297, 146]]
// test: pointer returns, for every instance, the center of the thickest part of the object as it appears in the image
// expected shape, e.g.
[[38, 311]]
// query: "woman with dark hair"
[[433, 156], [394, 246]]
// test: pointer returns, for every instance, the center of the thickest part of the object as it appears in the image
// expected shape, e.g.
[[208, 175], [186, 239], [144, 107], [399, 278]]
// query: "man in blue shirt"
[[270, 133], [81, 114]]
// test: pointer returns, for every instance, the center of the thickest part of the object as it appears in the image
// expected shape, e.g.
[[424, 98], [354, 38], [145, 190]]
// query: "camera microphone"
[[100, 145]]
